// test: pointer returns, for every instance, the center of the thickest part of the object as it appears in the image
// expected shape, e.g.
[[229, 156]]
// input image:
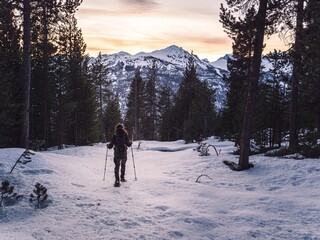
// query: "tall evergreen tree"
[[88, 132], [242, 32], [135, 106], [201, 116], [310, 96], [150, 112], [296, 77], [44, 18], [112, 116], [184, 97], [269, 13], [26, 73], [165, 106], [272, 102], [10, 73], [254, 78], [75, 80], [193, 108], [99, 75]]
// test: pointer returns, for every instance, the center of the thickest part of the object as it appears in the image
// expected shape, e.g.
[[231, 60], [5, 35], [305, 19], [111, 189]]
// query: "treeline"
[[47, 88], [155, 112], [53, 93], [282, 104]]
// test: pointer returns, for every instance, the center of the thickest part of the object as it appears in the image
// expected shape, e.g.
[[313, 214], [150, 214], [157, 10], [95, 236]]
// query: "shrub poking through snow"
[[203, 149], [6, 191], [39, 195]]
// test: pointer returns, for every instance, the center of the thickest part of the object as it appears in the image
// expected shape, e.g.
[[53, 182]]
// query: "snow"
[[221, 63], [277, 199]]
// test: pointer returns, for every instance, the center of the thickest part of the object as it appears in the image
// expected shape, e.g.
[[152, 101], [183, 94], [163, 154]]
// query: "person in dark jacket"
[[120, 141]]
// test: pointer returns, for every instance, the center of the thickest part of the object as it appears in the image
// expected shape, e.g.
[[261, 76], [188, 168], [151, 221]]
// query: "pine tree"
[[112, 116], [296, 77], [26, 74], [60, 108], [135, 106], [99, 75], [272, 104], [44, 19], [254, 78], [310, 96], [184, 97], [201, 115], [241, 31], [10, 73], [75, 83], [150, 111], [88, 110], [193, 106], [165, 106]]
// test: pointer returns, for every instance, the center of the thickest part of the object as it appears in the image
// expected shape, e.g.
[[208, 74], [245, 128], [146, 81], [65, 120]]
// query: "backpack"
[[120, 143]]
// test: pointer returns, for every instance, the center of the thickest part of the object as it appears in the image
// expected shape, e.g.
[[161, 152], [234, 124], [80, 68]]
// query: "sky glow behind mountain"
[[133, 26]]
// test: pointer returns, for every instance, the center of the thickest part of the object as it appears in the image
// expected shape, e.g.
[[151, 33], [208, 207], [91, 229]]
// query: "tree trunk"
[[253, 86], [45, 80], [26, 73], [293, 131]]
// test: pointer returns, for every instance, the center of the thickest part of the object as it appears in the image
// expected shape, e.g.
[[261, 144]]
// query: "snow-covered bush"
[[6, 191]]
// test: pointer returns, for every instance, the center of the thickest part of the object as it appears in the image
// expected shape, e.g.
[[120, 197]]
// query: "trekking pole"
[[105, 165], [134, 166]]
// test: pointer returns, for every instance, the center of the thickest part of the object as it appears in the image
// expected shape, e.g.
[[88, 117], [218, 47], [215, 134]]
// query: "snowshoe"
[[117, 184]]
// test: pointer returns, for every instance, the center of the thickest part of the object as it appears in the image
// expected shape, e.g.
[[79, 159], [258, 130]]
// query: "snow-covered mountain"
[[221, 63], [171, 63]]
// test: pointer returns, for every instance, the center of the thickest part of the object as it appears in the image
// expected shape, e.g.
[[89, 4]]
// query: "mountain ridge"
[[170, 61]]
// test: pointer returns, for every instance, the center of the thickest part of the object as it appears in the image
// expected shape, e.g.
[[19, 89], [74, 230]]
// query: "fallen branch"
[[203, 175], [214, 149], [23, 159]]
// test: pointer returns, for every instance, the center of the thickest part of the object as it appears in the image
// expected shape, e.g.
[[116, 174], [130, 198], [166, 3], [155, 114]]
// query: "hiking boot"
[[117, 183], [123, 179]]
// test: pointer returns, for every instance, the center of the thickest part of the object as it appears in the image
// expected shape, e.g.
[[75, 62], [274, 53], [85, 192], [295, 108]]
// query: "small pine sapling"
[[40, 195], [6, 191]]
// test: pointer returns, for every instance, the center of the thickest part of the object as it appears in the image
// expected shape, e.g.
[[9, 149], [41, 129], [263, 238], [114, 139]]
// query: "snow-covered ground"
[[277, 199]]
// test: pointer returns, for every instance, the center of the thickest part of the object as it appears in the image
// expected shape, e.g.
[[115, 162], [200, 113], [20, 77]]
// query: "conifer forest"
[[54, 94]]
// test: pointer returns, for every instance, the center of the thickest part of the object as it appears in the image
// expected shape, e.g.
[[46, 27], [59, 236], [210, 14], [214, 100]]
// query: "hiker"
[[120, 142], [199, 138]]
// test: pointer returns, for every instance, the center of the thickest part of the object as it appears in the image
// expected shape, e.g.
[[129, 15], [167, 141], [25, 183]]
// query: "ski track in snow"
[[277, 199]]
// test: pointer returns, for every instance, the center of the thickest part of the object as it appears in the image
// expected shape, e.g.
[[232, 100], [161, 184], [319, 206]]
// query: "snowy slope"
[[222, 62], [277, 199], [266, 65]]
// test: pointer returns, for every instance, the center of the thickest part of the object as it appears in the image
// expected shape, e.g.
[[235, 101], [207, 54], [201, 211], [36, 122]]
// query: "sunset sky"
[[111, 26]]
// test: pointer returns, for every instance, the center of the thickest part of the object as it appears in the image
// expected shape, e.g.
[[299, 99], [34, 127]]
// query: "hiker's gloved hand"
[[109, 145]]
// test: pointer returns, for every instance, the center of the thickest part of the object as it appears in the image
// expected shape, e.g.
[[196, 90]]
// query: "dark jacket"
[[127, 142]]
